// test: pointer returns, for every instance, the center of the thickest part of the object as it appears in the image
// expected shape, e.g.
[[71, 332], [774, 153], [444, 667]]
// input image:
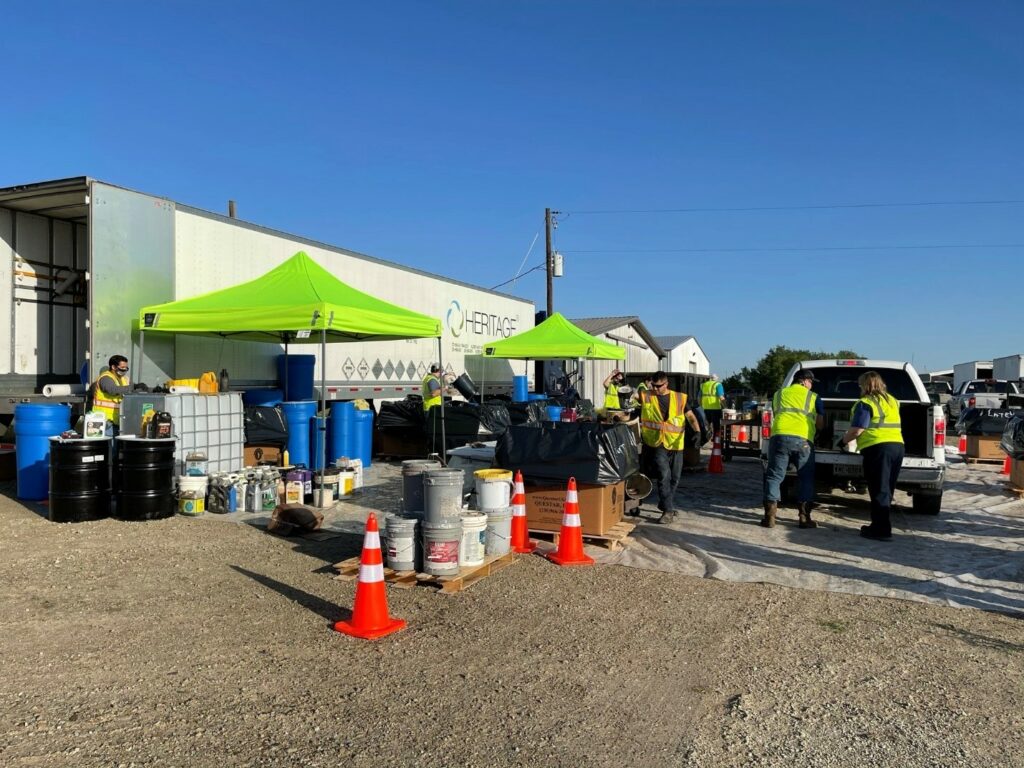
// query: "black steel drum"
[[79, 480], [144, 473]]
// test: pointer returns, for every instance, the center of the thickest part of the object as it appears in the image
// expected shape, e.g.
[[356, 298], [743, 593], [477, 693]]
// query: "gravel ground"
[[196, 642]]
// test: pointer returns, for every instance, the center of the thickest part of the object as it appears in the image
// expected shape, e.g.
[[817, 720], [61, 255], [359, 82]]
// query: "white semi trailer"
[[79, 257]]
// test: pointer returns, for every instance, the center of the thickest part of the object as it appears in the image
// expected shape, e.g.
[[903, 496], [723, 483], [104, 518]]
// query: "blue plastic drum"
[[364, 436], [301, 418], [520, 389], [34, 425], [343, 430], [262, 397], [295, 376]]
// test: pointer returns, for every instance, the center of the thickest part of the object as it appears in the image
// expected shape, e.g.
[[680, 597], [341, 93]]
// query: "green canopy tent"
[[296, 302], [554, 339]]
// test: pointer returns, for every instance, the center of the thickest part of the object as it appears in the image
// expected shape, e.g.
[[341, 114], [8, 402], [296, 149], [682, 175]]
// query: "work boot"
[[770, 508], [804, 512], [667, 518]]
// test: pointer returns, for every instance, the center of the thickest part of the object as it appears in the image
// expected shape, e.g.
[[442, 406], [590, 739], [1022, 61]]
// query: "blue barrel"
[[364, 436], [262, 396], [34, 425], [314, 438], [297, 378], [520, 388], [343, 430], [301, 418], [554, 413]]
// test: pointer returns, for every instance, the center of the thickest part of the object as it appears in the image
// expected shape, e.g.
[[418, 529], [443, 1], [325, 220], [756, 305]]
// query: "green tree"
[[766, 377]]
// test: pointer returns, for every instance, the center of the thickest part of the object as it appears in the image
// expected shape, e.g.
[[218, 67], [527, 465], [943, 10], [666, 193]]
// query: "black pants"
[[670, 467], [882, 462], [714, 418]]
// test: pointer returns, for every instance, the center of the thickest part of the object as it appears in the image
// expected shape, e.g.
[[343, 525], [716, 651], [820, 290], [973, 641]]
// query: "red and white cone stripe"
[[571, 517], [371, 567], [519, 500]]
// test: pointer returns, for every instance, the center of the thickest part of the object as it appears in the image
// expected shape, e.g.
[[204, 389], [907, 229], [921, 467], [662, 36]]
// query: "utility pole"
[[549, 261]]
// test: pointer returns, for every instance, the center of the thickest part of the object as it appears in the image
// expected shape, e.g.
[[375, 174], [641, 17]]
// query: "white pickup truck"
[[980, 393], [923, 423]]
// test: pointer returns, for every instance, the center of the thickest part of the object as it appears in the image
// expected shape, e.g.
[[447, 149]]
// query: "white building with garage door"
[[684, 355]]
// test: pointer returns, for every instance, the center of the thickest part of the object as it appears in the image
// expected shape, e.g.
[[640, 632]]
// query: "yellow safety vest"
[[657, 430], [108, 405], [709, 399], [428, 401], [793, 412], [885, 422], [611, 397]]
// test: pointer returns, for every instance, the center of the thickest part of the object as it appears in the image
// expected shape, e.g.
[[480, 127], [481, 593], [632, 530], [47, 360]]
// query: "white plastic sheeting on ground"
[[970, 555]]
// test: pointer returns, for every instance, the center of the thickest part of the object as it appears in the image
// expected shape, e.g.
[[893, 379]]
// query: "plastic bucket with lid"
[[442, 495], [554, 412], [346, 482], [412, 482], [400, 538], [499, 531], [493, 488], [474, 539], [441, 547]]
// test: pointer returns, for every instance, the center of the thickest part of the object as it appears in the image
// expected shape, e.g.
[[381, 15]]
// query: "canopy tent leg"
[[321, 420], [142, 355], [286, 368]]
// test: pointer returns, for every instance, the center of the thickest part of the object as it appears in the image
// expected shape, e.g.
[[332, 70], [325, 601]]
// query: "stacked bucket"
[[435, 534]]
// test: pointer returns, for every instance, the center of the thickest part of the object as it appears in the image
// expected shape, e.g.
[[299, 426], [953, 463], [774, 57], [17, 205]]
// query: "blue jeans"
[[785, 451]]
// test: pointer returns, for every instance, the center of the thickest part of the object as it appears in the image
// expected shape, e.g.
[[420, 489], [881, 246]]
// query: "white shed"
[[643, 353], [684, 355]]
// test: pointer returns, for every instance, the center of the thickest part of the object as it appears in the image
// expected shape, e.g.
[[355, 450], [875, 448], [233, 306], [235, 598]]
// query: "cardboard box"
[[600, 507], [255, 454], [1017, 473], [984, 447]]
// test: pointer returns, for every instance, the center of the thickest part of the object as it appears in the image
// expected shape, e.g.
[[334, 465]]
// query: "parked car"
[[940, 392], [923, 425], [980, 393]]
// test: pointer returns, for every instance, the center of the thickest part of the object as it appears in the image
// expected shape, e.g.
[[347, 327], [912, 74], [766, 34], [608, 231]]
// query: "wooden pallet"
[[348, 570], [612, 540], [975, 460]]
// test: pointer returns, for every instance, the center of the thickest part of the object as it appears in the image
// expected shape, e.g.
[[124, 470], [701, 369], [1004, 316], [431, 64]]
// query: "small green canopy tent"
[[296, 302], [554, 339]]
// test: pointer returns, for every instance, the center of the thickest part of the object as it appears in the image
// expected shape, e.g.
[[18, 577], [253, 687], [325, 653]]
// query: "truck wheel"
[[927, 503]]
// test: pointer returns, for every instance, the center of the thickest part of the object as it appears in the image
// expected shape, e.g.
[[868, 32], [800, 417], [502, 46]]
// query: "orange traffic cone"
[[570, 539], [962, 446], [715, 465], [1006, 466], [520, 535], [370, 618], [742, 436]]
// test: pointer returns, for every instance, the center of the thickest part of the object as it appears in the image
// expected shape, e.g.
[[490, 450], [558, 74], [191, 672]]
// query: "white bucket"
[[192, 484], [493, 489], [400, 547], [499, 531], [346, 482], [474, 539]]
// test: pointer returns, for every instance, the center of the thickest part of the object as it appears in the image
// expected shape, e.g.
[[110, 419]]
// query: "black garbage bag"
[[521, 413], [265, 424], [1012, 441], [494, 417], [460, 419], [598, 454], [401, 414], [983, 421]]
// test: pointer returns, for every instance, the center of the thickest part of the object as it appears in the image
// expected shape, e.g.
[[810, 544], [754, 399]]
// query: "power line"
[[776, 250], [750, 209], [521, 274]]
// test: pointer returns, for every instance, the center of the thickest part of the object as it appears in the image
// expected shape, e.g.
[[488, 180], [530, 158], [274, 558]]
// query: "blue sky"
[[434, 134]]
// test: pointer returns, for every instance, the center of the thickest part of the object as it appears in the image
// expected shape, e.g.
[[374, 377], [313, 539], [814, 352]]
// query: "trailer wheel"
[[927, 503]]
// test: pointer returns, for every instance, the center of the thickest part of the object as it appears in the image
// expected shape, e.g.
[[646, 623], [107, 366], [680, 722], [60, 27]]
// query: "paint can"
[[473, 542], [442, 495], [499, 531], [400, 537], [412, 482], [441, 547], [493, 488], [191, 503]]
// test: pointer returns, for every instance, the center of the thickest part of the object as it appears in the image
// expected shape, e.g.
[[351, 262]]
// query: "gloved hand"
[[141, 387]]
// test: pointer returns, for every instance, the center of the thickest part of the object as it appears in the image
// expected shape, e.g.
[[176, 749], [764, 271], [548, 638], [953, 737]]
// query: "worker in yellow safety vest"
[[433, 389], [875, 425], [612, 382], [797, 414], [712, 399], [663, 418], [109, 390]]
